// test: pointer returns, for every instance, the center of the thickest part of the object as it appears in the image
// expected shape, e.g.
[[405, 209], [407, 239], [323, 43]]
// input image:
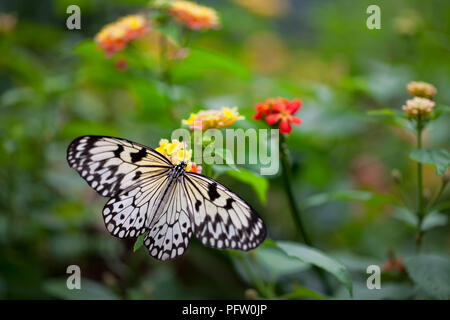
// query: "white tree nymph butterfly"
[[149, 194]]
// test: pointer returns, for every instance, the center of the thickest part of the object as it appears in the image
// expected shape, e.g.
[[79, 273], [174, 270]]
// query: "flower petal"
[[285, 126], [273, 118], [295, 120], [258, 115], [293, 106]]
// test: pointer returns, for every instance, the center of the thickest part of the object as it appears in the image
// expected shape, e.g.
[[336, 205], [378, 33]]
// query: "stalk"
[[295, 212], [286, 173], [420, 206]]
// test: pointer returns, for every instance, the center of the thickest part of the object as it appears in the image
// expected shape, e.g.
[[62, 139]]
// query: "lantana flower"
[[176, 152], [421, 89], [279, 111], [194, 16], [216, 119], [416, 107], [115, 36]]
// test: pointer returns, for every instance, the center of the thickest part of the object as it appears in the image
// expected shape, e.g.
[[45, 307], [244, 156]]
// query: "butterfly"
[[149, 194]]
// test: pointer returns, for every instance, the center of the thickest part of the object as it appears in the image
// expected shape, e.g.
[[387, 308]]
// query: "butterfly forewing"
[[131, 174], [221, 218], [111, 165]]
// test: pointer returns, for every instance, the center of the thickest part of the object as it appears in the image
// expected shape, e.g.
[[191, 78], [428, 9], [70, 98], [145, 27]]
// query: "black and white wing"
[[133, 175], [171, 230], [221, 219]]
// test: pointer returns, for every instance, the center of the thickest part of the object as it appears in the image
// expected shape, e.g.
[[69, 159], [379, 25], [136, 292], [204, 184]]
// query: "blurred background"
[[56, 85]]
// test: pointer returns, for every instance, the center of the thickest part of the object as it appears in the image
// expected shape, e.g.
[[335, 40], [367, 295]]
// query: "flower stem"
[[288, 187], [287, 174], [420, 209], [265, 291]]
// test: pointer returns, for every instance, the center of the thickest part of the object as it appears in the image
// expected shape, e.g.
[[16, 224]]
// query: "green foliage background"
[[55, 85]]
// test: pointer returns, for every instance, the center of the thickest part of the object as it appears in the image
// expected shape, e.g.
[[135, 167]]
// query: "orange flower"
[[115, 36], [263, 108], [279, 110], [194, 16]]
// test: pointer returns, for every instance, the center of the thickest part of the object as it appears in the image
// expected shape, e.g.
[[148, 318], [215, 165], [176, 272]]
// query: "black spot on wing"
[[212, 192], [137, 175], [119, 150], [137, 156], [198, 203], [229, 203]]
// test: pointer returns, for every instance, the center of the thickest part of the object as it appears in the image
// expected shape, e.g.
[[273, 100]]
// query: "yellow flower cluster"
[[216, 119], [421, 89], [418, 106], [268, 8], [115, 36], [194, 16], [176, 152]]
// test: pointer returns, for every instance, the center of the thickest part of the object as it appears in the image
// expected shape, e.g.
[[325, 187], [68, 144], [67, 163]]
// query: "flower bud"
[[396, 176], [421, 89], [416, 107], [251, 294]]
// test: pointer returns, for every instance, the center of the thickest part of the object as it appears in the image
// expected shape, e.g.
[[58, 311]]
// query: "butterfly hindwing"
[[129, 213], [111, 165], [221, 218], [171, 230]]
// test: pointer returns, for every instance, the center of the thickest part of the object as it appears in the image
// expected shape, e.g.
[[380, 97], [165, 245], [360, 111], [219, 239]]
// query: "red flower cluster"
[[279, 110]]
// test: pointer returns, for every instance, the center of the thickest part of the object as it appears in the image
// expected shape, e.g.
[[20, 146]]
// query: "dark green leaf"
[[303, 293], [139, 242], [431, 272], [90, 290], [258, 183], [406, 216], [440, 158], [317, 258], [433, 220]]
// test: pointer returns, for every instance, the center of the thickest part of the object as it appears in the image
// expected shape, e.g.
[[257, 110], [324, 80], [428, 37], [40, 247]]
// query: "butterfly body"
[[149, 194]]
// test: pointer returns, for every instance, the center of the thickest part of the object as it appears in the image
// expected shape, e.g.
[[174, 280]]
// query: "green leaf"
[[390, 116], [438, 111], [431, 273], [388, 291], [277, 263], [139, 242], [440, 158], [406, 216], [172, 31], [383, 112], [317, 258], [201, 61], [303, 293], [90, 290], [433, 220], [347, 195], [226, 156], [258, 183]]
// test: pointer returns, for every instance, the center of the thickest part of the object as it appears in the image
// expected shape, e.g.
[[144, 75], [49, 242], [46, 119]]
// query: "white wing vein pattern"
[[131, 174], [170, 233], [141, 181], [221, 218]]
